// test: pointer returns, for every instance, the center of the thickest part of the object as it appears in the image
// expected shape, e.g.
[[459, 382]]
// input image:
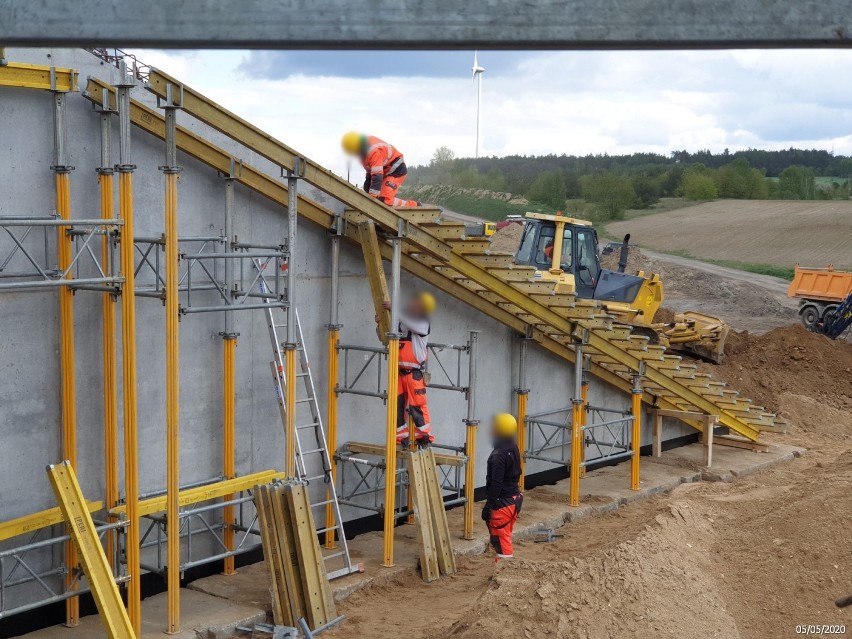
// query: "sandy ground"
[[751, 559], [775, 232]]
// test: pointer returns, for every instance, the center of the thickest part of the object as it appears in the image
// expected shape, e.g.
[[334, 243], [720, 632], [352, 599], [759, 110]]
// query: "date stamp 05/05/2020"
[[837, 630]]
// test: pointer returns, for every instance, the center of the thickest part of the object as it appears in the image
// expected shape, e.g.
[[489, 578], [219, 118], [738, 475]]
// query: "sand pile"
[[507, 239], [623, 591]]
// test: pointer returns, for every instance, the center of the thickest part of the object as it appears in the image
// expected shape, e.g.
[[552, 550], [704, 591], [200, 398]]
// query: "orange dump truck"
[[820, 291]]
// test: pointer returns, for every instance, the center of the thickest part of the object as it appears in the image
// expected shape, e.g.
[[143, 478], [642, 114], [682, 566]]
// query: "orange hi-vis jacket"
[[380, 160]]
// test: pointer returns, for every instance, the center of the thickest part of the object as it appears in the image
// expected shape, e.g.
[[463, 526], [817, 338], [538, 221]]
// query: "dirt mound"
[[623, 591], [507, 239], [778, 369]]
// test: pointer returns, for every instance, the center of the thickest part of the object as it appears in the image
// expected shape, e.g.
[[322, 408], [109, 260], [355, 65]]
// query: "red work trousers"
[[500, 528], [390, 186], [412, 395]]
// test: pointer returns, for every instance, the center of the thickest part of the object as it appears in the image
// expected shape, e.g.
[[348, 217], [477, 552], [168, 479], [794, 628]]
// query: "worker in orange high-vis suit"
[[414, 326], [385, 166], [503, 494]]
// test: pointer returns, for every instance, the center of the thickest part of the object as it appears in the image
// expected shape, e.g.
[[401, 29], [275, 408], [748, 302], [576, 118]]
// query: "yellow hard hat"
[[505, 425], [351, 142], [427, 301]]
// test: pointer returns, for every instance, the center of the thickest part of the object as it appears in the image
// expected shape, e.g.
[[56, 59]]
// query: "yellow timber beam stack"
[[466, 269]]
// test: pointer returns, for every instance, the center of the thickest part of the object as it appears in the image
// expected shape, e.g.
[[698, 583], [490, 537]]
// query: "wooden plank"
[[740, 443], [281, 614], [319, 603], [290, 567], [82, 530], [422, 513], [375, 275], [379, 450], [446, 558]]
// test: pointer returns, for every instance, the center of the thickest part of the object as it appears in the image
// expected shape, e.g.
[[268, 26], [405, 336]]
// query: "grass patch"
[[782, 272]]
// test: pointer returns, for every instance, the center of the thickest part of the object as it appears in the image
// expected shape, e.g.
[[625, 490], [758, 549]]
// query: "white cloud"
[[550, 102]]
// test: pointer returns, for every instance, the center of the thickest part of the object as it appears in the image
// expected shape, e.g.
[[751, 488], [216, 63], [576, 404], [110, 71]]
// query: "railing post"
[[471, 428], [637, 428]]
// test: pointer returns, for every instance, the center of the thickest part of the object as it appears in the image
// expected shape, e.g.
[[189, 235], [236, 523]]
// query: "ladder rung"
[[314, 425], [306, 399], [333, 556], [312, 451], [314, 478], [323, 503]]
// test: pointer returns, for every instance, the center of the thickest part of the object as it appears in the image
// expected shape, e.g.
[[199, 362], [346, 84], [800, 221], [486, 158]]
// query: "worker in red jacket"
[[503, 494], [385, 166]]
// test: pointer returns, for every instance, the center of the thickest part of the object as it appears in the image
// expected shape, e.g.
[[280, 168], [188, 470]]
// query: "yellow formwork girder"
[[37, 521], [37, 76], [82, 531], [205, 493]]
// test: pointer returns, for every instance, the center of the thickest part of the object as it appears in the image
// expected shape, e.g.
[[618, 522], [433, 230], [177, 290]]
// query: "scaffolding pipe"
[[108, 301], [128, 351], [393, 386], [171, 171], [62, 172], [637, 430], [523, 395], [229, 346], [291, 345], [471, 424], [331, 389], [577, 441]]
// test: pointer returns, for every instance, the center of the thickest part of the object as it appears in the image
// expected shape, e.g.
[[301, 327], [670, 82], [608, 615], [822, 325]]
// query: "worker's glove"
[[486, 514]]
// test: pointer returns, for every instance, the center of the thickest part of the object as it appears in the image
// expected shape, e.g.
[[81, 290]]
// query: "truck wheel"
[[809, 316]]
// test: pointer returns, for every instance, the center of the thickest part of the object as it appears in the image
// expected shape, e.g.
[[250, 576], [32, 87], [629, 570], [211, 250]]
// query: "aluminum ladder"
[[312, 463]]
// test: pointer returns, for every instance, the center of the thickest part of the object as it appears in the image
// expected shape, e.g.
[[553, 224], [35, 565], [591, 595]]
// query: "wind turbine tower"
[[477, 77]]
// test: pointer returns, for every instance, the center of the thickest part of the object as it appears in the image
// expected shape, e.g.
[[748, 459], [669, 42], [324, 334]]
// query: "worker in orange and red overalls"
[[385, 166], [414, 326], [503, 494]]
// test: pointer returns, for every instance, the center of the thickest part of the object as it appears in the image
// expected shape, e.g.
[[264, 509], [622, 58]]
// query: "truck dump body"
[[824, 284]]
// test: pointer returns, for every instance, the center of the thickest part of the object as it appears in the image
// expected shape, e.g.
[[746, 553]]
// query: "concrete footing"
[[213, 606]]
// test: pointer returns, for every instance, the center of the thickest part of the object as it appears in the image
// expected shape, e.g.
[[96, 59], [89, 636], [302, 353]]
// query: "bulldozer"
[[564, 250]]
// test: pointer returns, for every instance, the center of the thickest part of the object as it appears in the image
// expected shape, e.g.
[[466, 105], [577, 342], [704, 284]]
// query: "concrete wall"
[[29, 354]]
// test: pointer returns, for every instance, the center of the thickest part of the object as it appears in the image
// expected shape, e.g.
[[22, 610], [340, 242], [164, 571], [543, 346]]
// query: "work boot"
[[405, 443], [424, 443]]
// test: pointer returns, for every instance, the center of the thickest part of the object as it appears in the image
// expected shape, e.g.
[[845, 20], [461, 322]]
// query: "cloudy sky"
[[533, 102]]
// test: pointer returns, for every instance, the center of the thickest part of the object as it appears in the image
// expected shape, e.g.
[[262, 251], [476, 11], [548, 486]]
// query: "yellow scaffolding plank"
[[39, 520], [37, 76], [205, 493], [82, 530]]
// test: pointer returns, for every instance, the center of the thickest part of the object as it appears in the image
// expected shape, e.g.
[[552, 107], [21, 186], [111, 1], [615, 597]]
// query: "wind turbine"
[[477, 74]]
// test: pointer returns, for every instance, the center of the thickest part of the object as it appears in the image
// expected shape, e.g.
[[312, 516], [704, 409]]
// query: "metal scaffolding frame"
[[582, 434]]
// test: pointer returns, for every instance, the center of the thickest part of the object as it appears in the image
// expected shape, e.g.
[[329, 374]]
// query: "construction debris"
[[299, 583]]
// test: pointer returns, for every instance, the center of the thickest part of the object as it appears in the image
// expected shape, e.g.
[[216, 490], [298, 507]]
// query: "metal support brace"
[[471, 427], [171, 171], [62, 170], [637, 427], [333, 363], [229, 345], [577, 441], [393, 386], [108, 303], [128, 349], [523, 395], [291, 343]]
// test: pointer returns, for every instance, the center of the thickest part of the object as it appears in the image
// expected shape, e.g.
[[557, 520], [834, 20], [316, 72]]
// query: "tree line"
[[613, 184]]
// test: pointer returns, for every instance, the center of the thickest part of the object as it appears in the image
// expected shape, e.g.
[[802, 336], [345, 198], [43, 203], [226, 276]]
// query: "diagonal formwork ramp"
[[439, 254]]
